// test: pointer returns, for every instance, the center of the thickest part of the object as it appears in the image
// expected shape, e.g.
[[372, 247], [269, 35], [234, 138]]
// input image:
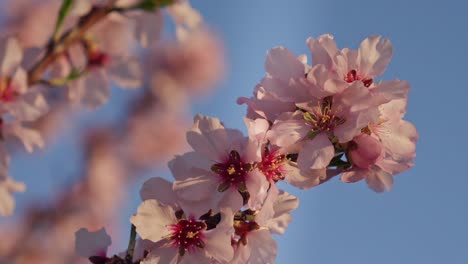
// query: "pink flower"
[[281, 88], [320, 122], [388, 149], [220, 168], [275, 165], [253, 241], [180, 236], [362, 65]]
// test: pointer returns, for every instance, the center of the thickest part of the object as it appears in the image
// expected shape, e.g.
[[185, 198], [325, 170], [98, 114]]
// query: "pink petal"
[[257, 185], [354, 175], [379, 180], [323, 50], [368, 149], [188, 165], [281, 63], [316, 153], [209, 137], [196, 188], [305, 179], [218, 240], [392, 90], [374, 55], [231, 199], [264, 247], [288, 129]]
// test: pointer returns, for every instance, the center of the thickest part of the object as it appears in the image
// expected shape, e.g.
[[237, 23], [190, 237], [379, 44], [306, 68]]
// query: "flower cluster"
[[306, 124]]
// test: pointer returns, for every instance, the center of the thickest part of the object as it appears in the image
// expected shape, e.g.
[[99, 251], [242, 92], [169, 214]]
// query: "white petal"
[[152, 220], [288, 129], [231, 199], [218, 240], [303, 179]]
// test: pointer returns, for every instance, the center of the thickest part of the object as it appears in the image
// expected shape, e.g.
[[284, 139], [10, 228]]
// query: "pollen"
[[232, 172], [324, 117]]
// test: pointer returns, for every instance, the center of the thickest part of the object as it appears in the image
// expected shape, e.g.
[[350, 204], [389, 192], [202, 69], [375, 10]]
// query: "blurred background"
[[422, 220]]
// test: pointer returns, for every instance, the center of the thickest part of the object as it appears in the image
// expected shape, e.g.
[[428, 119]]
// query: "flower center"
[[187, 236], [8, 92], [354, 76], [272, 166], [242, 229], [98, 59], [232, 172], [323, 118]]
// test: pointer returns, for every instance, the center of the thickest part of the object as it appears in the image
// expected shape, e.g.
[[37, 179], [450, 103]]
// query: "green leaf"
[[63, 12], [338, 162], [152, 5]]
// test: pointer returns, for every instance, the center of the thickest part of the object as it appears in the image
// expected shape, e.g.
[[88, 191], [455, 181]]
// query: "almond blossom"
[[220, 169], [179, 234], [275, 164], [386, 148], [253, 241]]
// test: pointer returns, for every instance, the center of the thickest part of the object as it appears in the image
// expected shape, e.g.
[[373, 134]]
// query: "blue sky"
[[424, 218]]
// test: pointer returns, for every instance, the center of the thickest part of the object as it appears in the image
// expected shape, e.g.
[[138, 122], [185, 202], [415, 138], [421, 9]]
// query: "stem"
[[131, 245]]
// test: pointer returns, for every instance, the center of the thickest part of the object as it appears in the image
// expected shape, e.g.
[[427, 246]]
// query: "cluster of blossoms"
[[306, 124]]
